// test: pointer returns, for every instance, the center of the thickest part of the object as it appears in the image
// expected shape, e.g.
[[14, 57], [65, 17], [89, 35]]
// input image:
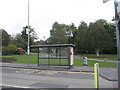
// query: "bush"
[[4, 50], [34, 50], [9, 50], [0, 50]]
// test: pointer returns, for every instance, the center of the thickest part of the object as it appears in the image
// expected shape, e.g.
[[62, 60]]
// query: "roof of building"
[[53, 45]]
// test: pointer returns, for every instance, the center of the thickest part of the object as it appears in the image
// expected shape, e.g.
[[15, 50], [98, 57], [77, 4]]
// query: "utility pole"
[[28, 47], [117, 37], [118, 48]]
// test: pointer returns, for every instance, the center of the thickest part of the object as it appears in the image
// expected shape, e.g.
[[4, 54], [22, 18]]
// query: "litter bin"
[[85, 61]]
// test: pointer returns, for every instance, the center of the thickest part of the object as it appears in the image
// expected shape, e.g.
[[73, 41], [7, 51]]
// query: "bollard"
[[96, 75]]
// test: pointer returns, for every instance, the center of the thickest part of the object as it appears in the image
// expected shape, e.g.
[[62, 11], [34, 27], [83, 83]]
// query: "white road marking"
[[82, 72], [15, 86]]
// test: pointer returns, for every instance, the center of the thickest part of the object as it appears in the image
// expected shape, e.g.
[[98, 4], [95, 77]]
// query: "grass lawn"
[[23, 58], [102, 56], [34, 60]]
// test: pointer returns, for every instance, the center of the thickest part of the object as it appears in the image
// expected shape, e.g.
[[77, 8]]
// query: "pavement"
[[111, 74]]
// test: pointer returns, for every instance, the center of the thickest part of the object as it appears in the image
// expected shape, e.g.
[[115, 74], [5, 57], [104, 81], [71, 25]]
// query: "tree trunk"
[[97, 52], [86, 52]]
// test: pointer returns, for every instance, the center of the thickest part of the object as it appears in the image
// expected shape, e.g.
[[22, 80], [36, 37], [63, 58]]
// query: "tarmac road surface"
[[33, 78]]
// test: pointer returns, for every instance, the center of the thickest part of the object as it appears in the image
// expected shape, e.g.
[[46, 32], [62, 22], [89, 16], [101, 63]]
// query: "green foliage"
[[97, 37], [73, 30], [62, 34], [58, 34], [5, 37], [9, 50], [4, 50], [12, 48], [19, 41], [81, 38], [32, 33]]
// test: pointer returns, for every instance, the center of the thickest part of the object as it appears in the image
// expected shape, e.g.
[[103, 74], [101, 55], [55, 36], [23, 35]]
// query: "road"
[[32, 78]]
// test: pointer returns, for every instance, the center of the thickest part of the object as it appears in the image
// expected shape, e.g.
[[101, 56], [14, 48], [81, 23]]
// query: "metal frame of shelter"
[[56, 54]]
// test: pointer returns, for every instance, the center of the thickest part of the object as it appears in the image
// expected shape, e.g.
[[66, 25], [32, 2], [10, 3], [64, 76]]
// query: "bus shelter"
[[57, 54]]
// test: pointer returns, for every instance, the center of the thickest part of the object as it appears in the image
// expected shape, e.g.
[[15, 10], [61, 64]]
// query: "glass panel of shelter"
[[53, 56], [43, 56]]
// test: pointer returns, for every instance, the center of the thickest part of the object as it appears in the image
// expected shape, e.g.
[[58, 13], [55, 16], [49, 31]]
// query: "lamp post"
[[117, 37], [28, 47]]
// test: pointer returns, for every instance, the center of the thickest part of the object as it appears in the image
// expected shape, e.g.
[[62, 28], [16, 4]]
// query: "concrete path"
[[93, 59], [102, 60]]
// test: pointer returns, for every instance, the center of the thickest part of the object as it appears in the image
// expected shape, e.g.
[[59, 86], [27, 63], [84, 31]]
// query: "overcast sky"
[[43, 13]]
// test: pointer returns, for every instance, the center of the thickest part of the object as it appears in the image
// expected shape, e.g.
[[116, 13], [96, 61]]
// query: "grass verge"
[[34, 60]]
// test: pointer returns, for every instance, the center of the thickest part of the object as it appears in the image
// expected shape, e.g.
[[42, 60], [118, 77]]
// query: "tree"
[[99, 38], [9, 50], [0, 40], [12, 49], [19, 41], [5, 38], [58, 34], [81, 39], [32, 34], [71, 33], [110, 30]]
